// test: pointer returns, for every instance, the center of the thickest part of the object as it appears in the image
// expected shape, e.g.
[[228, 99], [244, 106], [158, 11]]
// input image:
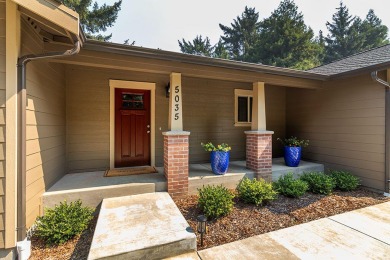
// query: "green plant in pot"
[[219, 157], [293, 150]]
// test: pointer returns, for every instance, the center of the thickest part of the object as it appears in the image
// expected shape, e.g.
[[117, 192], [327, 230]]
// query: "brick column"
[[259, 153], [176, 162]]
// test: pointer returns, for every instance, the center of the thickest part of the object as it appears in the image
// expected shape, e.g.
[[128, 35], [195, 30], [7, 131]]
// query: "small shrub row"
[[344, 181], [255, 191], [290, 187], [318, 182], [217, 201], [62, 223]]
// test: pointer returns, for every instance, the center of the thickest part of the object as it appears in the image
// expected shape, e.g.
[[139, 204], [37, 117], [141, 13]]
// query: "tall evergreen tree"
[[240, 39], [350, 35], [198, 46], [220, 51], [286, 41], [96, 19], [375, 34], [345, 36]]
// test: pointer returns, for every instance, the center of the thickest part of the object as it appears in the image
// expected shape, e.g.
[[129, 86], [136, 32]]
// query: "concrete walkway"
[[359, 234], [144, 226]]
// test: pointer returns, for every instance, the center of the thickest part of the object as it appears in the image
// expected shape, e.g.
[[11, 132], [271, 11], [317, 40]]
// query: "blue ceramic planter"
[[292, 156], [219, 162]]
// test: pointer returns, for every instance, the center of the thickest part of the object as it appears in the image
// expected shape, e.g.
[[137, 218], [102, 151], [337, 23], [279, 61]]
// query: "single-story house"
[[74, 105]]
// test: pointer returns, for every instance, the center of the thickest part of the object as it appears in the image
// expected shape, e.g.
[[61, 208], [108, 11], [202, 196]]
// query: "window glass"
[[132, 101], [242, 109], [250, 108]]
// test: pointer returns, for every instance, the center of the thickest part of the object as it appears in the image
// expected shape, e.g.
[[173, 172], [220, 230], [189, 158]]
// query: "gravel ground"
[[244, 221]]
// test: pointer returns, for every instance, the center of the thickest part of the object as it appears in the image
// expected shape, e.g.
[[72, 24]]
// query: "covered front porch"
[[93, 187], [71, 121]]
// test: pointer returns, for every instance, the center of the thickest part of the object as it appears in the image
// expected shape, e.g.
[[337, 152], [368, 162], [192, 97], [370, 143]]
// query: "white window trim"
[[241, 93]]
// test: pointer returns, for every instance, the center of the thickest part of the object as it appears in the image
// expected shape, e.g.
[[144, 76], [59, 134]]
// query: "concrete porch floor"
[[93, 187]]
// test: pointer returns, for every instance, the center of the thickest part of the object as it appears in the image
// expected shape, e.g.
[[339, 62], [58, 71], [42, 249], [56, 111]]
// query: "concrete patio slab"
[[201, 175], [328, 238], [145, 226], [74, 181], [279, 168], [93, 187]]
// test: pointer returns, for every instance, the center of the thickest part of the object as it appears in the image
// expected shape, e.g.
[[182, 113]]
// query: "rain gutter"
[[375, 77], [21, 133]]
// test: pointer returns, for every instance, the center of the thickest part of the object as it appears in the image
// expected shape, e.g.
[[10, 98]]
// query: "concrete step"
[[145, 226], [92, 187]]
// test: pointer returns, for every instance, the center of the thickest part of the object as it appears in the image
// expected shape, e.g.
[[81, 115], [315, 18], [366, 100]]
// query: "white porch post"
[[176, 142], [258, 109], [259, 140], [175, 122]]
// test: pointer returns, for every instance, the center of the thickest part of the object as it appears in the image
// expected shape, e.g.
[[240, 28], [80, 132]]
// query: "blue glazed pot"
[[292, 156], [219, 162]]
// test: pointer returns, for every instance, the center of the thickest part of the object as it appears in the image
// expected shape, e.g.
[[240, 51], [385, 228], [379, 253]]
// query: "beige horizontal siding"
[[2, 119], [208, 110], [46, 126], [345, 123], [88, 115]]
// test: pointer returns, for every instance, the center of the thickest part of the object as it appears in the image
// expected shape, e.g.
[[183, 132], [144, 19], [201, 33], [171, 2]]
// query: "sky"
[[161, 23]]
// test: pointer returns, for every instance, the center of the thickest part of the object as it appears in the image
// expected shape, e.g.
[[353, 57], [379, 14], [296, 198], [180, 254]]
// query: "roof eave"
[[199, 60]]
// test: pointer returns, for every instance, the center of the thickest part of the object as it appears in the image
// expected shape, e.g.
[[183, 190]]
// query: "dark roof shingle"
[[366, 59]]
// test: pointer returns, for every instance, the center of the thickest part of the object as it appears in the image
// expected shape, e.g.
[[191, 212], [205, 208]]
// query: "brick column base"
[[259, 153], [176, 162]]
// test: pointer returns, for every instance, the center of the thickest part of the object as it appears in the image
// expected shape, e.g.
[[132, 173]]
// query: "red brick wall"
[[259, 154], [176, 164]]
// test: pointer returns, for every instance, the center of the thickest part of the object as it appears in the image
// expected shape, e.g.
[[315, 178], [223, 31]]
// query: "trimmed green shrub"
[[256, 191], [291, 187], [62, 223], [215, 201], [344, 180], [319, 182]]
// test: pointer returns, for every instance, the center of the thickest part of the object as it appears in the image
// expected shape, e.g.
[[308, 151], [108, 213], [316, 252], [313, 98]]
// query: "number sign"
[[177, 104]]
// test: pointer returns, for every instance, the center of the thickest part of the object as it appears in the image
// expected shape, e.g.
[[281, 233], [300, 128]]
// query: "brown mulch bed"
[[244, 221], [248, 220], [76, 248]]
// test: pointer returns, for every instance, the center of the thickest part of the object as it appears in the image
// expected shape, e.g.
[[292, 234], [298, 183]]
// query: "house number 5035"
[[177, 104]]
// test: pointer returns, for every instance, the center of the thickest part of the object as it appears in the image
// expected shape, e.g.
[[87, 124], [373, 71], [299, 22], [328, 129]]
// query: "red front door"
[[132, 127]]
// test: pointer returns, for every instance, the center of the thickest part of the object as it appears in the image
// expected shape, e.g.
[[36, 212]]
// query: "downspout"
[[21, 135], [375, 77]]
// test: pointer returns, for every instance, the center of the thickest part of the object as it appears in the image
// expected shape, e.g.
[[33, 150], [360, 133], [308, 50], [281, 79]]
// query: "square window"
[[243, 107]]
